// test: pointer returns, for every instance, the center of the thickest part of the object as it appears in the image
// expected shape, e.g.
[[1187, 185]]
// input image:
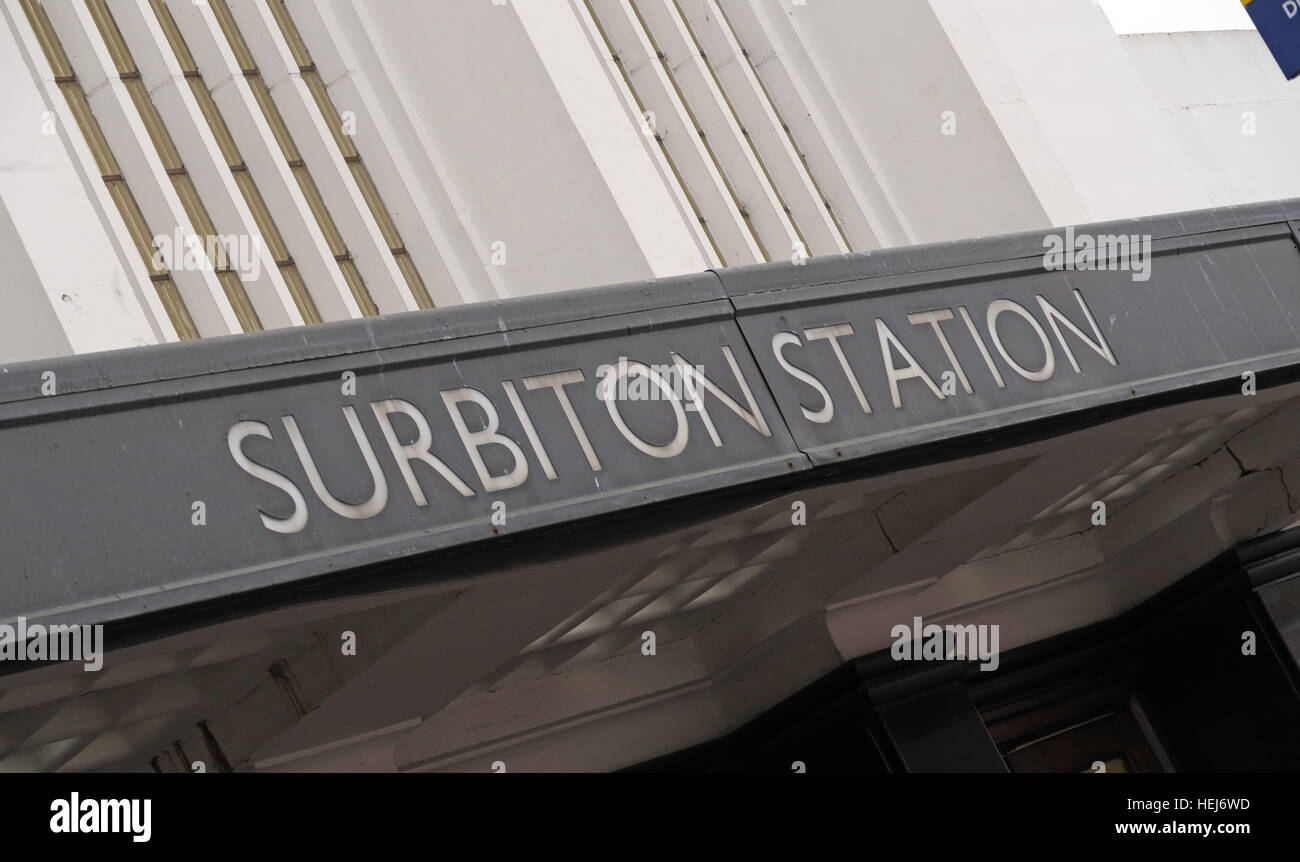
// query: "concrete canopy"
[[944, 417]]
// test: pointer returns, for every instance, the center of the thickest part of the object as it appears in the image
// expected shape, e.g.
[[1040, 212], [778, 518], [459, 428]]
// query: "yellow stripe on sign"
[[1247, 2]]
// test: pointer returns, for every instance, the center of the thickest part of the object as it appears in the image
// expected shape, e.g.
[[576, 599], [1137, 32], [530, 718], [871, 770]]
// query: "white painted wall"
[[1207, 86], [894, 72], [1107, 126], [65, 289], [517, 111]]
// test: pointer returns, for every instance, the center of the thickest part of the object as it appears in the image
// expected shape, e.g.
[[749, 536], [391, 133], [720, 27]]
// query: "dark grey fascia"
[[97, 516]]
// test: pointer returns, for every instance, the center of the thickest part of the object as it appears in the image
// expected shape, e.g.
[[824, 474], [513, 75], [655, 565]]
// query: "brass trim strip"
[[127, 208], [360, 174], [128, 73], [280, 130], [235, 162]]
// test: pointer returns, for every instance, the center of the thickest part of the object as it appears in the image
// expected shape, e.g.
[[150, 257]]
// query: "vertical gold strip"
[[129, 74], [310, 191], [127, 208], [360, 174], [235, 162]]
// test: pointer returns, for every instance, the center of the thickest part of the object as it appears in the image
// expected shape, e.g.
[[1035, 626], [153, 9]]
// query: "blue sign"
[[1278, 21]]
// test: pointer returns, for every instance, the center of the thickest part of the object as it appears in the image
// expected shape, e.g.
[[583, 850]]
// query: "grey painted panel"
[[98, 505], [1211, 310], [100, 478], [756, 278]]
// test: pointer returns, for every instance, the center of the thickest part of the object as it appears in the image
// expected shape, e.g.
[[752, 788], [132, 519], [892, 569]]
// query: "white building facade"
[[384, 157]]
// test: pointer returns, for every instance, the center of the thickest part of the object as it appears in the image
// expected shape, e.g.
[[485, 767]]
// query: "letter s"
[[781, 340], [235, 440]]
